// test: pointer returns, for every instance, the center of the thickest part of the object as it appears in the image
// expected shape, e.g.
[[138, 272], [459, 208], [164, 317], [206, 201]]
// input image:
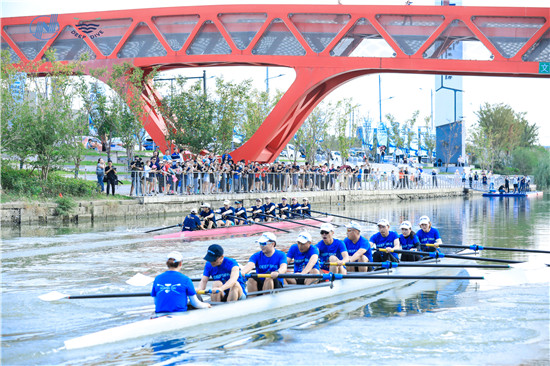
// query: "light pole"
[[203, 77], [267, 79]]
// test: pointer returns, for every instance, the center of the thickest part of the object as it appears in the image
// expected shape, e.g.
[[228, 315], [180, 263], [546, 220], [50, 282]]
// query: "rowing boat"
[[245, 229], [525, 194], [288, 301]]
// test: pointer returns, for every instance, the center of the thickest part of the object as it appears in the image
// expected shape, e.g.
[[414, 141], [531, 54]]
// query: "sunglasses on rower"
[[324, 232]]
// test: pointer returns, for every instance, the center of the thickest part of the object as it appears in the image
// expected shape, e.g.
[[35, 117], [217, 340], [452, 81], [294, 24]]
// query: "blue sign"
[[45, 27]]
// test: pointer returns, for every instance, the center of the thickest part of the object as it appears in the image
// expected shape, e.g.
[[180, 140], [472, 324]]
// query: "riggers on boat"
[[246, 229], [274, 305]]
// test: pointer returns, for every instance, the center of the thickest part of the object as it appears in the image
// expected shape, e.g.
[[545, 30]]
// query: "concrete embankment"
[[22, 213]]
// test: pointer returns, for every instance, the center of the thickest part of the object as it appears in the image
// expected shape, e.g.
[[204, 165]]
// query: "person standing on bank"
[[100, 173], [228, 282], [172, 288], [112, 178], [267, 260], [358, 247]]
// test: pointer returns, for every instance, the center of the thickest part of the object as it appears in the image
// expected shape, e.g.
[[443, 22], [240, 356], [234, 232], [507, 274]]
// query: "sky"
[[401, 94]]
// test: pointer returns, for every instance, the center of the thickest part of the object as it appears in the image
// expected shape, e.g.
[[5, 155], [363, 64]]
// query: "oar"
[[343, 217], [313, 218], [294, 222], [441, 255], [336, 276], [257, 223], [476, 247], [54, 296], [388, 264], [162, 228]]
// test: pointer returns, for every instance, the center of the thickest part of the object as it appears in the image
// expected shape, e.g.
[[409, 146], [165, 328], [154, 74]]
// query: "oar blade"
[[53, 296], [139, 280]]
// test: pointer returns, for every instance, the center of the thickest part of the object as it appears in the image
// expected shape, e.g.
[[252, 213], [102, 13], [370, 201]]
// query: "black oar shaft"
[[458, 256], [100, 296], [343, 217], [292, 221], [313, 218], [483, 247], [162, 228], [443, 265], [252, 222], [374, 276]]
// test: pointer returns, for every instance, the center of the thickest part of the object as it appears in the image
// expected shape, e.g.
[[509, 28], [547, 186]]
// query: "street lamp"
[[267, 79]]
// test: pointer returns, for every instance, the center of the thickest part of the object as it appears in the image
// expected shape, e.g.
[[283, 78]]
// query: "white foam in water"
[[519, 274]]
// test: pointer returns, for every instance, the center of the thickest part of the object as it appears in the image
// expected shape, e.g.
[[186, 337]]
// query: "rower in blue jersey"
[[269, 209], [283, 208], [228, 282], [409, 241], [172, 288], [294, 212], [207, 216], [306, 208], [428, 235], [267, 260], [306, 259], [331, 251], [191, 222], [385, 239], [227, 212], [240, 212], [358, 247], [257, 212]]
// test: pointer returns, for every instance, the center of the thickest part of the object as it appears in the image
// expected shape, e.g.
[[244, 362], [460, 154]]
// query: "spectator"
[[100, 173]]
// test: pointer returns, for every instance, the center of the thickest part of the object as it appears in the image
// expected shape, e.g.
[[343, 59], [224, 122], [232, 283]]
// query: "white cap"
[[193, 210], [406, 225], [354, 225], [267, 237], [383, 222], [206, 205], [226, 202], [304, 237], [424, 220], [176, 256], [327, 226]]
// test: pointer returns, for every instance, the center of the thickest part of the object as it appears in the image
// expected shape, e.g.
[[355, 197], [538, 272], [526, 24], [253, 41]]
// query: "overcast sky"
[[401, 94]]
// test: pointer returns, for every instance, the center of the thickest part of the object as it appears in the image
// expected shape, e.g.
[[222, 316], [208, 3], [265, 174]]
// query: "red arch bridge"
[[326, 45]]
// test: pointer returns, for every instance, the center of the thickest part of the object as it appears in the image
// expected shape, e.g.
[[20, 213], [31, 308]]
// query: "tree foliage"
[[345, 109], [499, 131]]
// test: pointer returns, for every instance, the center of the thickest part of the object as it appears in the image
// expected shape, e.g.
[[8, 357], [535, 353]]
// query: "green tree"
[[230, 109], [344, 110], [542, 172], [429, 141], [314, 131], [499, 131]]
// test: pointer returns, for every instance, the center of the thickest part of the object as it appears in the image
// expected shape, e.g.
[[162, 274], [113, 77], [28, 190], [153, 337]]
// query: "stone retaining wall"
[[21, 213]]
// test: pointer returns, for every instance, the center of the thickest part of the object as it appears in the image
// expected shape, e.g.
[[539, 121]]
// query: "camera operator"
[[136, 167]]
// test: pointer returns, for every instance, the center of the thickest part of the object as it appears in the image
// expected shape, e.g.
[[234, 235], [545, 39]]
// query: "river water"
[[503, 320]]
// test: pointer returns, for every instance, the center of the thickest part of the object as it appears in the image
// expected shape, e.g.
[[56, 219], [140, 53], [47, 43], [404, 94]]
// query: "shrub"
[[542, 173], [65, 206]]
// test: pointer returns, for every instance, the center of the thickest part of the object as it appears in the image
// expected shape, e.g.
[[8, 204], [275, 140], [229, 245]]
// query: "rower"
[[191, 222], [240, 212], [284, 208], [269, 209], [306, 207], [428, 235], [409, 241], [172, 288], [226, 211], [331, 251], [207, 217], [294, 212], [385, 239], [306, 259], [358, 247], [267, 260], [228, 283], [257, 211]]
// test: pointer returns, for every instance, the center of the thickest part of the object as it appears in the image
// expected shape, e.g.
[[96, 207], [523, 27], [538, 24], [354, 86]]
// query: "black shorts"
[[260, 282]]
